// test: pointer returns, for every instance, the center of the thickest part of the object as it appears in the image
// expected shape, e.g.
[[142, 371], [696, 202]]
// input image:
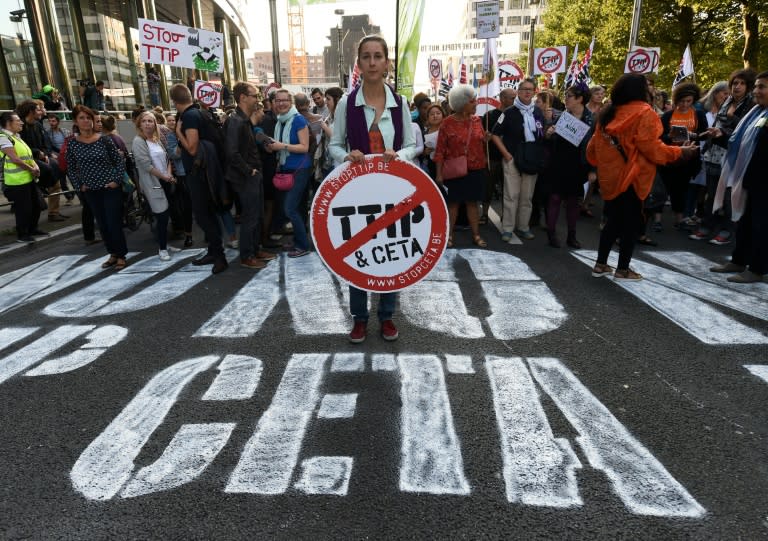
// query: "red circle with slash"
[[379, 226]]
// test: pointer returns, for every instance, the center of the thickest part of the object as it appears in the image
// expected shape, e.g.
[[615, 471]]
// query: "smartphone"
[[678, 134]]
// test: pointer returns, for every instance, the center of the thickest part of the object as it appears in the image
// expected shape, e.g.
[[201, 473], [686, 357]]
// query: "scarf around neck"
[[741, 147], [285, 123], [529, 122]]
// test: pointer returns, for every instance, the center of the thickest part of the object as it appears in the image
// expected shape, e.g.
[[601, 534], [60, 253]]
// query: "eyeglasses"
[[526, 89], [253, 95], [282, 101]]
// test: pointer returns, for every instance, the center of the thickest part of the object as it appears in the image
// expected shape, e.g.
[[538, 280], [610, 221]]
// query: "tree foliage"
[[715, 29]]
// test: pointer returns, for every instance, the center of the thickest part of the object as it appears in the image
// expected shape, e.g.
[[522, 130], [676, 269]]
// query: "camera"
[[85, 82]]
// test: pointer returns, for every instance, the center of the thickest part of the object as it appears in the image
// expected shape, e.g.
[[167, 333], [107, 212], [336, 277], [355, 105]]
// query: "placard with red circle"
[[549, 60], [379, 226], [208, 93], [435, 68], [642, 60]]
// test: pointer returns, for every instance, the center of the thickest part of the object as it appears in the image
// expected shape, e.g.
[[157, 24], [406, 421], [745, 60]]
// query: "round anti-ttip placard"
[[379, 226]]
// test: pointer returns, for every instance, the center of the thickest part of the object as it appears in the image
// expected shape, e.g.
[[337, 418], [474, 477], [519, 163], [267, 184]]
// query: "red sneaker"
[[359, 332], [389, 331]]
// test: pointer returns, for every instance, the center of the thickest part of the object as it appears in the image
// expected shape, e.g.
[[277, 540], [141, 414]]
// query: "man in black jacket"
[[245, 176], [192, 131]]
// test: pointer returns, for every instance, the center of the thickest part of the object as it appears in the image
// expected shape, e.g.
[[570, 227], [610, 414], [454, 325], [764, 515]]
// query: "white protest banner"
[[642, 60], [571, 128], [208, 93], [181, 46], [488, 19], [379, 226], [548, 60]]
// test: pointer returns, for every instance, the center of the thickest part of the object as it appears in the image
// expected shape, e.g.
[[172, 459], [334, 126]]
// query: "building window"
[[526, 19], [515, 20], [525, 37]]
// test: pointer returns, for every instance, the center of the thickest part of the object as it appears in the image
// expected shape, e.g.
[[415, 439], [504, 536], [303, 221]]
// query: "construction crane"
[[298, 53]]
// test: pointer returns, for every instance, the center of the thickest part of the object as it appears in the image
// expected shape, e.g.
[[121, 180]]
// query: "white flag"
[[686, 67]]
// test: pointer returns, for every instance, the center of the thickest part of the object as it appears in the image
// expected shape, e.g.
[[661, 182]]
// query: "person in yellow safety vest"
[[19, 174]]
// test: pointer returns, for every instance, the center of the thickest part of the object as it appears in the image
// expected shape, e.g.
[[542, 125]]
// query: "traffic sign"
[[379, 226], [208, 93], [435, 68], [548, 60], [642, 60]]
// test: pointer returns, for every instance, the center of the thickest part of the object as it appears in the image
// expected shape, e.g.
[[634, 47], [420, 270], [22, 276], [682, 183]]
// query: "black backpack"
[[213, 131]]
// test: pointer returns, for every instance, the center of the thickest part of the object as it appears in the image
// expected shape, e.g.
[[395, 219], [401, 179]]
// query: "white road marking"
[[40, 349], [191, 450], [383, 362], [328, 475], [696, 317], [246, 312], [270, 455], [445, 270], [459, 364], [521, 310], [759, 370], [439, 307], [77, 274], [431, 459], [40, 277], [490, 265], [539, 469], [11, 335], [698, 267], [314, 298], [348, 362], [237, 379], [639, 480], [14, 275], [338, 406], [107, 463], [751, 304], [98, 342], [94, 300]]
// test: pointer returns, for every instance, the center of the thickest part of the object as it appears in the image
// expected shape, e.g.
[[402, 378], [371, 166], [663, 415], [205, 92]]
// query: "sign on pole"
[[379, 226], [488, 19], [435, 68], [510, 74], [549, 60], [643, 60], [208, 93], [181, 46]]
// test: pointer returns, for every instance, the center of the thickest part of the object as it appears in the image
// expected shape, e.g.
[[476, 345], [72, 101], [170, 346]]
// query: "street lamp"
[[340, 43], [532, 4]]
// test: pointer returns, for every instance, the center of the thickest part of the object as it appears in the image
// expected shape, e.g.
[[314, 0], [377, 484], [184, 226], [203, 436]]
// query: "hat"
[[47, 89]]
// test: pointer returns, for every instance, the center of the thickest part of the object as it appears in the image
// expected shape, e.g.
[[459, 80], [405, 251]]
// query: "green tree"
[[723, 35]]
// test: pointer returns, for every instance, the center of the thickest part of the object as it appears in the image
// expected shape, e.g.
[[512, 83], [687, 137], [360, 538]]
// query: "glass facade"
[[82, 41]]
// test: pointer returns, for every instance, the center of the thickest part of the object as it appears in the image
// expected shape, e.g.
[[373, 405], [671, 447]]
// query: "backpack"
[[213, 132]]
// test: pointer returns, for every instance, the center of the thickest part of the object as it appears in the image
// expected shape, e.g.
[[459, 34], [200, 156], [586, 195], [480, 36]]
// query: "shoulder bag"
[[457, 167], [530, 157]]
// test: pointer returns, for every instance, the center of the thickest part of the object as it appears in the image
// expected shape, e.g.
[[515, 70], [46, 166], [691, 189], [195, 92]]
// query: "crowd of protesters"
[[702, 153]]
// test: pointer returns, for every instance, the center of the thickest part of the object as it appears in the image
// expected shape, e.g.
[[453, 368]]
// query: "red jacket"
[[637, 128]]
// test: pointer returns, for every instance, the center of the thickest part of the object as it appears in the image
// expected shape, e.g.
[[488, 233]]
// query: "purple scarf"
[[357, 127]]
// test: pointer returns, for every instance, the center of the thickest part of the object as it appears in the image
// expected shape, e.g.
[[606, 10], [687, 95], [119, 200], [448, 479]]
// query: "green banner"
[[410, 14]]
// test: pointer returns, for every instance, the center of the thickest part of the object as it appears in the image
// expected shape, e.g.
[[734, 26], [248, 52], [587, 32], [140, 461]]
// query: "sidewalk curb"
[[53, 234]]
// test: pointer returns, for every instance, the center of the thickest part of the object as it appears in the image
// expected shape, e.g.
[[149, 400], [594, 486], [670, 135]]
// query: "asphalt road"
[[524, 399]]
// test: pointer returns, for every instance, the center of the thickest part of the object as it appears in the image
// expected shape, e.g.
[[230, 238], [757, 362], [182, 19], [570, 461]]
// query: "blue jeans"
[[358, 304], [292, 207], [107, 207]]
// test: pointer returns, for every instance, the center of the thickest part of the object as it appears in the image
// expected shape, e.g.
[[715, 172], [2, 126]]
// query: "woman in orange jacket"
[[626, 150]]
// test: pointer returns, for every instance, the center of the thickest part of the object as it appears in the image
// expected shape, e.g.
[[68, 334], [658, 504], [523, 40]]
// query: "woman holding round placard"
[[372, 119]]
